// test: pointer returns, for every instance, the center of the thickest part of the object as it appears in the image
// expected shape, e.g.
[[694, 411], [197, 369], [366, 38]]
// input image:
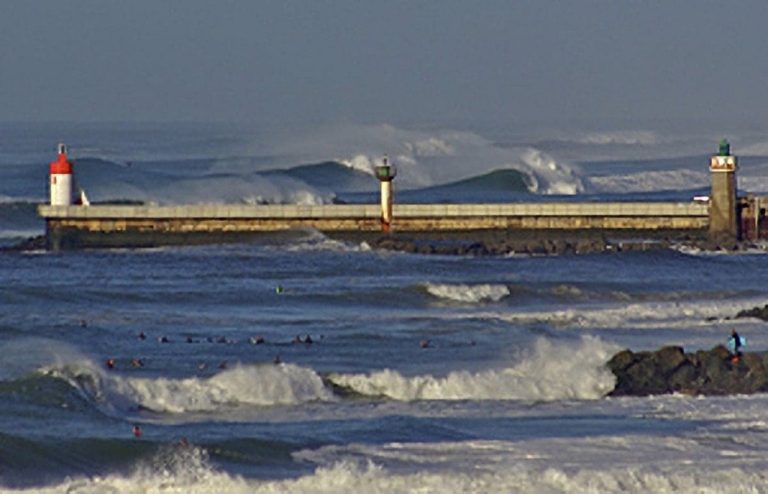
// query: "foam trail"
[[640, 315], [468, 293], [551, 372]]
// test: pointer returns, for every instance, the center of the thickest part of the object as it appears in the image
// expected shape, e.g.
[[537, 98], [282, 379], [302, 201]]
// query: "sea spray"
[[29, 355], [551, 371], [434, 157]]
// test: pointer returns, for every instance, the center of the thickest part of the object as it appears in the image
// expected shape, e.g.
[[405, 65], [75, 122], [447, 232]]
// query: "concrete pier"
[[721, 220], [140, 226]]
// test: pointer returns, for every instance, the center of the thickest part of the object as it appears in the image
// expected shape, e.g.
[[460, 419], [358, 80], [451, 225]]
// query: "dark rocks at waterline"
[[544, 246], [705, 372], [756, 312]]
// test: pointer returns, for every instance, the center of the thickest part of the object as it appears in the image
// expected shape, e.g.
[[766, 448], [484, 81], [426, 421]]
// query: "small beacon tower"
[[723, 215], [61, 179], [385, 173]]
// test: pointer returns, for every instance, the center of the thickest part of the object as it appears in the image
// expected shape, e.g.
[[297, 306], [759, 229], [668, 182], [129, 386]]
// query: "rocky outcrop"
[[756, 312], [705, 372], [525, 245]]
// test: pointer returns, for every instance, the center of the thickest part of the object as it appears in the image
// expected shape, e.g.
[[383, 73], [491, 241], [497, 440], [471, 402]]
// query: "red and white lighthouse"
[[61, 179]]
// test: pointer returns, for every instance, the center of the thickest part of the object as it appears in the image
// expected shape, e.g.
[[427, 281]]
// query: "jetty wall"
[[146, 225]]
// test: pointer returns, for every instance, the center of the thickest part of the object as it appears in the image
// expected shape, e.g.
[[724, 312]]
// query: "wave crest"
[[550, 372], [468, 293], [254, 385]]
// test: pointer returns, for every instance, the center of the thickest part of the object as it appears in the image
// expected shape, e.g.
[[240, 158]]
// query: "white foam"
[[633, 464], [472, 466], [13, 234], [552, 371], [317, 241], [468, 293], [759, 248], [550, 176], [435, 157], [360, 163], [638, 315], [262, 385]]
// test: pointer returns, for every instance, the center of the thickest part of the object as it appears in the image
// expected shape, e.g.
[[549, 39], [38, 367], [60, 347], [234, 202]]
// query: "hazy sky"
[[382, 61]]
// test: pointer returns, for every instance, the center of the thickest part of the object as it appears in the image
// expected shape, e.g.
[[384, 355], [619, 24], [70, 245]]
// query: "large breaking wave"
[[550, 371], [314, 167]]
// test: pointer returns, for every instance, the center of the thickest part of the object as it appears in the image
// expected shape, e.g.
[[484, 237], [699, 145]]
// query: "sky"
[[383, 61]]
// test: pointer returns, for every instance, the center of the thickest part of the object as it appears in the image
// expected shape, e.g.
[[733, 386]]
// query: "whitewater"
[[309, 365]]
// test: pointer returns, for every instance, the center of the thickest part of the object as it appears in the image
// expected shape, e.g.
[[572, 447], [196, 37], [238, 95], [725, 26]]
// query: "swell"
[[79, 384], [19, 220], [45, 461], [41, 461]]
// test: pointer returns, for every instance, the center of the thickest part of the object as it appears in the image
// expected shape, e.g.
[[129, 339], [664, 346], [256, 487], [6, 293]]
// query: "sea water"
[[424, 373]]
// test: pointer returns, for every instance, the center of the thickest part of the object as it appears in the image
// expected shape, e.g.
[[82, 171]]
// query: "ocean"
[[307, 365]]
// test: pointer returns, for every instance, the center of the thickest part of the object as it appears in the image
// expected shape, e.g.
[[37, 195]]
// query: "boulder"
[[671, 370]]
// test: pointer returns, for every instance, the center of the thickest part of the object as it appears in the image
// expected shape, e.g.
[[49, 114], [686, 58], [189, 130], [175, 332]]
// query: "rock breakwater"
[[705, 372]]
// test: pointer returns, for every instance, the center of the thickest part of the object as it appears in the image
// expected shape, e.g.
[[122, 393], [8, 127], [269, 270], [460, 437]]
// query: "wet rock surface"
[[544, 245], [705, 372], [547, 242]]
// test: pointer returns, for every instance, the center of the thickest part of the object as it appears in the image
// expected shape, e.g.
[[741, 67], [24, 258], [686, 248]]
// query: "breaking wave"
[[506, 469], [430, 158], [468, 293], [550, 372], [109, 181], [262, 385]]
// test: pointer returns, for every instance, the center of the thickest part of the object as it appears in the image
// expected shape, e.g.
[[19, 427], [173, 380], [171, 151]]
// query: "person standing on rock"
[[735, 342]]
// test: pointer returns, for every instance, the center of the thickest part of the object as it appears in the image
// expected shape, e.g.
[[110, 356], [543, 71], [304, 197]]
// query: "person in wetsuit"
[[735, 343]]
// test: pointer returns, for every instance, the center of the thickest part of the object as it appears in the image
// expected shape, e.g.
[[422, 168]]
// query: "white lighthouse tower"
[[61, 179], [386, 173]]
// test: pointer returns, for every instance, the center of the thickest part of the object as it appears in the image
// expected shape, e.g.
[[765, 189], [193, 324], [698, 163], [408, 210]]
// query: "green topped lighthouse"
[[723, 214]]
